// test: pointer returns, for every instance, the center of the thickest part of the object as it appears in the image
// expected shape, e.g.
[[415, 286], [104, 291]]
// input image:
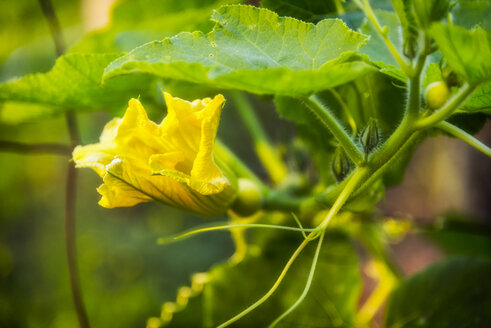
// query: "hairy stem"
[[346, 111], [328, 119]]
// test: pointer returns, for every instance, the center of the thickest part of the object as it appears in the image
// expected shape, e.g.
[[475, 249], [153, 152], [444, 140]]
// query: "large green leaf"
[[452, 293], [74, 83], [466, 51], [254, 50], [332, 300]]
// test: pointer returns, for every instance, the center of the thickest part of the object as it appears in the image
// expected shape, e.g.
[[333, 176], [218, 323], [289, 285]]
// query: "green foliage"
[[461, 235], [256, 51], [330, 82], [429, 11], [376, 48], [136, 22], [332, 301], [472, 13], [307, 10], [459, 46], [452, 293], [74, 84]]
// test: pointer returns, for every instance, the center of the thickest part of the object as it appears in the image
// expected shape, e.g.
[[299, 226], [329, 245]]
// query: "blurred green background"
[[125, 275]]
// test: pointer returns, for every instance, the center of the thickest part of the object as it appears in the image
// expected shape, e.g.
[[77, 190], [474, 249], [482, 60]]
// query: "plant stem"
[[464, 136], [353, 182], [267, 154], [448, 109], [54, 26], [38, 148], [328, 119], [71, 180], [346, 110], [273, 289], [307, 285], [367, 9]]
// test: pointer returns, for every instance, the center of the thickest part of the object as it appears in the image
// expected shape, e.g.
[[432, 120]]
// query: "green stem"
[[267, 154], [328, 119], [414, 103], [339, 7], [39, 148], [71, 180], [273, 288], [166, 240], [354, 181], [448, 109], [464, 136], [367, 9], [346, 111], [307, 285]]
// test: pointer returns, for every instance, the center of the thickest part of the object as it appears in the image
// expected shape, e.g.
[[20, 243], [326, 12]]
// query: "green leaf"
[[254, 50], [452, 293], [471, 13], [480, 100], [461, 235], [332, 300], [459, 46], [73, 85], [376, 48]]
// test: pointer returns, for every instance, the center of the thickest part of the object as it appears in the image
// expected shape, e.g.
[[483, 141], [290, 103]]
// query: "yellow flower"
[[171, 162]]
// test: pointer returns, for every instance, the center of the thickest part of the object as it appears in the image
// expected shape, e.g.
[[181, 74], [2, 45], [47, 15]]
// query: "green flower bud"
[[436, 94], [340, 165], [369, 137], [249, 198]]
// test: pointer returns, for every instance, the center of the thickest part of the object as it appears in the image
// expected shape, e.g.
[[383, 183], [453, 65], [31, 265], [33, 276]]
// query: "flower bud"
[[436, 94], [340, 165], [249, 198], [369, 136]]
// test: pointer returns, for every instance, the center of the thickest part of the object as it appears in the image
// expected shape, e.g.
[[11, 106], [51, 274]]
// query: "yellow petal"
[[97, 156], [132, 149], [122, 187]]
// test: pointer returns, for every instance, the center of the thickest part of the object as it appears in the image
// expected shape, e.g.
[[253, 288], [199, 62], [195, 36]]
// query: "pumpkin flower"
[[171, 162]]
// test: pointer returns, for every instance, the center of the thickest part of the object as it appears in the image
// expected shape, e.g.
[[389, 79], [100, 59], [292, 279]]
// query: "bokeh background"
[[126, 276]]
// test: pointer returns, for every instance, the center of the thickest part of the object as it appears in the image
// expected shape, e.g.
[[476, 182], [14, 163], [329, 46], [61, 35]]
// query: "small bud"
[[436, 94], [340, 165], [248, 199], [369, 136]]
